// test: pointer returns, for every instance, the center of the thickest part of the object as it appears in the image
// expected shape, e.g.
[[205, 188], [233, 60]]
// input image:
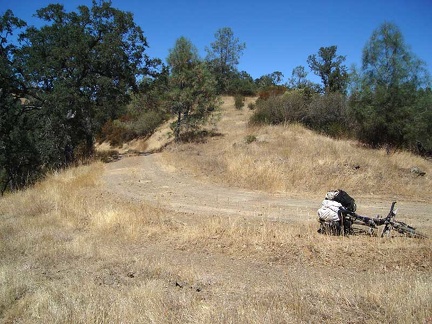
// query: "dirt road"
[[148, 179], [151, 179]]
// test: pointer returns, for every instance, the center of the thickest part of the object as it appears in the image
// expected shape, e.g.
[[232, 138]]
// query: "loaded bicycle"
[[337, 216]]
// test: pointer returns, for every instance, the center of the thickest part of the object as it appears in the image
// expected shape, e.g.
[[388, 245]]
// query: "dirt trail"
[[150, 179], [146, 178]]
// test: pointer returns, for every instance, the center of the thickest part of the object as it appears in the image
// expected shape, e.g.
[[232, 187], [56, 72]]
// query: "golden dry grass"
[[296, 160], [72, 253]]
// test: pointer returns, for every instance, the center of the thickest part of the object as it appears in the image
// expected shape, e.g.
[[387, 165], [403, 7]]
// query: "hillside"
[[283, 174], [217, 232], [291, 159]]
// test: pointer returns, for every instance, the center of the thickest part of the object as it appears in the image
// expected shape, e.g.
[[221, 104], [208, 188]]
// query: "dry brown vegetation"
[[71, 252], [294, 159]]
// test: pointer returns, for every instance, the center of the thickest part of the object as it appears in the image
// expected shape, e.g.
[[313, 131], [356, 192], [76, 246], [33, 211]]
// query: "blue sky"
[[279, 35]]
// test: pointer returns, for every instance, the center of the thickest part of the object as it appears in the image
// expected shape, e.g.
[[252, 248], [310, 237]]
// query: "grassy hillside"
[[70, 252], [298, 161]]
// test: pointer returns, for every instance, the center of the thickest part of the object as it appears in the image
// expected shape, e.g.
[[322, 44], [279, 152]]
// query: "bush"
[[329, 114], [239, 101], [113, 132], [126, 128], [324, 113], [250, 139], [289, 107], [147, 123]]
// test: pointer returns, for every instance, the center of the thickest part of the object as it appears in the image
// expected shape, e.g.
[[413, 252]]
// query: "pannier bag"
[[343, 198], [329, 211]]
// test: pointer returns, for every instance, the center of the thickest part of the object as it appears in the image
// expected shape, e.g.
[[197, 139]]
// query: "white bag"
[[329, 210]]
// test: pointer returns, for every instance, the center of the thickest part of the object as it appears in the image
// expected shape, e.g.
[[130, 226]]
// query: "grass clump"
[[250, 139], [239, 101]]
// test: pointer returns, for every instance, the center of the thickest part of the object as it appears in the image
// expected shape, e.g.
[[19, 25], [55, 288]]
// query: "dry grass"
[[295, 160], [71, 253]]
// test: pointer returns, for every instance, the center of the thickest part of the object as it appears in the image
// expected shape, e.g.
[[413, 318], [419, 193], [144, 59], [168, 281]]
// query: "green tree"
[[19, 159], [385, 100], [61, 82], [223, 56], [82, 67], [299, 81], [269, 80], [419, 131], [192, 95], [241, 83], [298, 78], [329, 67]]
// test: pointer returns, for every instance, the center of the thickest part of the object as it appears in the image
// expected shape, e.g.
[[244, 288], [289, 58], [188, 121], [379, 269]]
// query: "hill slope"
[[291, 159], [177, 237], [296, 167]]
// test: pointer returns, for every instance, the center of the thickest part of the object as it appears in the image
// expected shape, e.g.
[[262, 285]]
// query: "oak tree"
[[81, 68], [330, 68]]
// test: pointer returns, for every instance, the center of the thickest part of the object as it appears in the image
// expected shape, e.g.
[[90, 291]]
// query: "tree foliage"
[[388, 98], [241, 83], [82, 66], [192, 95], [329, 67], [269, 80], [18, 154], [223, 56], [72, 74]]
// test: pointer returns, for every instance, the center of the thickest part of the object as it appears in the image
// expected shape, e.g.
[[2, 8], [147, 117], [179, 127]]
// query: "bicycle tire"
[[406, 230]]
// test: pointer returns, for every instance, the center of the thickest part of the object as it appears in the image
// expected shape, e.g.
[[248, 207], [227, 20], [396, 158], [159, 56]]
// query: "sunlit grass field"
[[72, 253]]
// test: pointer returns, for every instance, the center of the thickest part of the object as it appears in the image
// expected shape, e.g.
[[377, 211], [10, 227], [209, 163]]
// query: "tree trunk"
[[177, 129]]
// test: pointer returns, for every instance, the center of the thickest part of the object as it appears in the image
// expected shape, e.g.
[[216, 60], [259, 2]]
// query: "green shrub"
[[329, 114], [147, 123], [250, 139], [289, 107], [324, 113], [239, 101]]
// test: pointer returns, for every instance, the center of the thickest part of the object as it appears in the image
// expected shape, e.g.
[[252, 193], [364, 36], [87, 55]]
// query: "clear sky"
[[279, 35]]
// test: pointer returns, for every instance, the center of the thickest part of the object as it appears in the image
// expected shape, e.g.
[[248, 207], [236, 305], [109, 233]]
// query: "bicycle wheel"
[[406, 230]]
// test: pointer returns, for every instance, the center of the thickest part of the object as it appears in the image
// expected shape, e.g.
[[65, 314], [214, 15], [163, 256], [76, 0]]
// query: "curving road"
[[148, 179]]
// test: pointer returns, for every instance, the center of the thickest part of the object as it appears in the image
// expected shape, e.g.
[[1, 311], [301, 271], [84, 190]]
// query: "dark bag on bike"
[[343, 198]]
